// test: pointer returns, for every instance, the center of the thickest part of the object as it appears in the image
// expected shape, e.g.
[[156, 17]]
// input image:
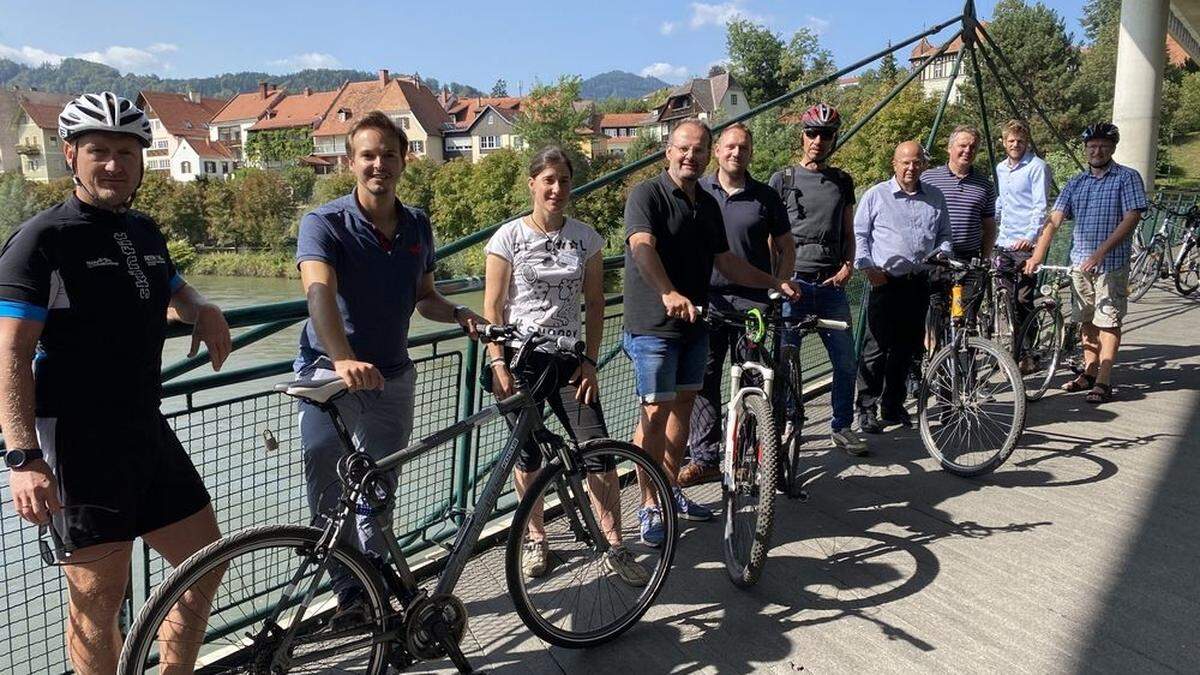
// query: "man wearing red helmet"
[[820, 204]]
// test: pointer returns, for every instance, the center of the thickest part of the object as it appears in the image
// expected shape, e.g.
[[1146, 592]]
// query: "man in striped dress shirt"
[[971, 202]]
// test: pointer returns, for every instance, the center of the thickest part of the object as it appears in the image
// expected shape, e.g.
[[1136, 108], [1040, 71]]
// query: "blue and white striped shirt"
[[1024, 191], [969, 200], [1097, 204]]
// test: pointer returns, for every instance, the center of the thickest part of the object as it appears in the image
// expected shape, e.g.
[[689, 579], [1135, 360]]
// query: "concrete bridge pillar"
[[1137, 94]]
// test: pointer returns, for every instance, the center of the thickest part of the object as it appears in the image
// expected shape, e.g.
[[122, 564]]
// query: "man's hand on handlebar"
[[789, 289], [1030, 266], [679, 307]]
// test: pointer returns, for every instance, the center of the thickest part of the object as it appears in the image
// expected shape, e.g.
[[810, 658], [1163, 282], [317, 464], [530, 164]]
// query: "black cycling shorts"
[[118, 478]]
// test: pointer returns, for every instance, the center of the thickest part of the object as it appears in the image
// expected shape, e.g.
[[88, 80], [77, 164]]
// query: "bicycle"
[[1187, 264], [1156, 258], [752, 462], [1046, 338], [995, 319], [277, 613], [971, 400]]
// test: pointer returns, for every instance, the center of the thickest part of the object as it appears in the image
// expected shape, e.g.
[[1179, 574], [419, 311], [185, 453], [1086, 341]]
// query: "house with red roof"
[[403, 98], [936, 75], [175, 117], [240, 113], [304, 110], [710, 99], [36, 149], [617, 132]]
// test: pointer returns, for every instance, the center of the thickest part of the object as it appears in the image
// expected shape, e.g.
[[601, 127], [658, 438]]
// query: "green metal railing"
[[246, 447]]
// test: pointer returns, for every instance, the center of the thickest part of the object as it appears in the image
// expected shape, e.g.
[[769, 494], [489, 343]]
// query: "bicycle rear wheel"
[[1144, 271], [1039, 348], [971, 407], [1187, 275], [227, 608], [749, 489], [588, 594]]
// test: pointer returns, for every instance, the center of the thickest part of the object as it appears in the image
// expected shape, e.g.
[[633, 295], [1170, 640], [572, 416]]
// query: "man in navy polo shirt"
[[756, 227], [366, 262]]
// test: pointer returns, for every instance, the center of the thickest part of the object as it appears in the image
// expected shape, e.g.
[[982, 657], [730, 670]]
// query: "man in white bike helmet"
[[86, 290]]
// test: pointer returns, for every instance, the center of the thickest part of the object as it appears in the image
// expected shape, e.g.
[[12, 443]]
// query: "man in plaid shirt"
[[1106, 204]]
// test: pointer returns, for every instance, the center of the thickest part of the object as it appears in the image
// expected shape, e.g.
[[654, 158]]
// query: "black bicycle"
[[258, 601], [764, 423]]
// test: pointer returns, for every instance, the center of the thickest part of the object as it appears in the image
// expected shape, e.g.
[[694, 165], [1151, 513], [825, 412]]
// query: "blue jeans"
[[664, 366], [830, 302]]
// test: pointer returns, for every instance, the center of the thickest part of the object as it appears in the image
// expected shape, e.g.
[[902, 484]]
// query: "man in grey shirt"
[[898, 225]]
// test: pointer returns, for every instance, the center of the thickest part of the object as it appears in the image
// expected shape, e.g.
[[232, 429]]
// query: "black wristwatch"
[[18, 458], [458, 310]]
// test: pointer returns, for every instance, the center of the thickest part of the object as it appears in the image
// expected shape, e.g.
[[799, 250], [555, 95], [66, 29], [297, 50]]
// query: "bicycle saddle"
[[318, 388]]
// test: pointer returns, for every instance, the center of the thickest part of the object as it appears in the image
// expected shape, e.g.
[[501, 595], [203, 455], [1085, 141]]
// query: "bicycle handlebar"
[[1066, 269]]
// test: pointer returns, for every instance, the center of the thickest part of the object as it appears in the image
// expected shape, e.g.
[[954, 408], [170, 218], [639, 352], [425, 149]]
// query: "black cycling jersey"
[[101, 282]]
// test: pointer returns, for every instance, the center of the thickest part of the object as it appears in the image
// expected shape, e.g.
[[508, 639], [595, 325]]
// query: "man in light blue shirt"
[[898, 225], [1024, 182]]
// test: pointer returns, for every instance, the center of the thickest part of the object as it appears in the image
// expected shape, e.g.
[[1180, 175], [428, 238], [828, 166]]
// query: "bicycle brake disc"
[[419, 626]]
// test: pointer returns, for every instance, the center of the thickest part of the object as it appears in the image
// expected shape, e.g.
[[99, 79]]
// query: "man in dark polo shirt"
[[971, 202], [756, 228], [674, 235], [366, 262], [820, 207]]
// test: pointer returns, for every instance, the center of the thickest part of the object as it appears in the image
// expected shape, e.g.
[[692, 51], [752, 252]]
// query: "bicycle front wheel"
[[1187, 275], [972, 407], [1143, 272], [230, 607], [592, 588], [1039, 348], [749, 489]]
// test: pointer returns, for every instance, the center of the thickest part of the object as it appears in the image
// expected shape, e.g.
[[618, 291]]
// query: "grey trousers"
[[379, 422]]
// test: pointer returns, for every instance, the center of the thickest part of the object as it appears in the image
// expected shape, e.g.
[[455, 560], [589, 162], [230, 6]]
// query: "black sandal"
[[1100, 393], [1081, 382]]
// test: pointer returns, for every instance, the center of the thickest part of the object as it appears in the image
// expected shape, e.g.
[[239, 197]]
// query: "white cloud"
[[665, 71], [125, 59], [31, 56], [720, 14], [307, 60], [667, 27], [816, 24]]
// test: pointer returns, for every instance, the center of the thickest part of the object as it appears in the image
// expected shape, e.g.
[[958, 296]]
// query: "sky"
[[463, 41]]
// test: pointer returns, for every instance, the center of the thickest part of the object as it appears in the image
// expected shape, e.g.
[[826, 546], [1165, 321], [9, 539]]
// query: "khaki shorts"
[[1100, 299]]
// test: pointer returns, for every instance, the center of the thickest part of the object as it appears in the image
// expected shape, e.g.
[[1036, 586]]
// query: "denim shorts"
[[663, 366]]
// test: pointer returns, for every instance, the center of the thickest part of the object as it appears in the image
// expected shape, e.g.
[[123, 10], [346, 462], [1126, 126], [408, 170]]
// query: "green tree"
[[500, 88], [1035, 40], [499, 189], [415, 187], [550, 116], [766, 66], [450, 209], [276, 147], [178, 208], [218, 211], [16, 202], [1187, 117], [301, 180], [262, 210], [329, 188], [868, 155], [775, 145], [54, 192], [603, 209]]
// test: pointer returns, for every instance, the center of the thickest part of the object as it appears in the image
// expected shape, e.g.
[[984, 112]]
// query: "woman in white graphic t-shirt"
[[538, 267]]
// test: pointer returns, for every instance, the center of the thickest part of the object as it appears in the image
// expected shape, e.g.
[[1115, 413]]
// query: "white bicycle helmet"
[[104, 112]]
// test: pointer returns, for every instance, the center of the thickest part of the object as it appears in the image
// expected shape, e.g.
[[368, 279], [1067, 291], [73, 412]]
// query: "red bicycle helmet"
[[821, 116]]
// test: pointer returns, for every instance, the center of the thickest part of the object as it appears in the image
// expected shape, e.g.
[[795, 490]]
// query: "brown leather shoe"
[[695, 474]]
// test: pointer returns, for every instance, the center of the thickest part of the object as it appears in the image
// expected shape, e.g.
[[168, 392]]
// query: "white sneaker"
[[849, 441], [619, 561], [533, 557]]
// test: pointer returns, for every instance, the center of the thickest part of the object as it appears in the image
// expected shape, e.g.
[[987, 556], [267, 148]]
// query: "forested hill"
[[76, 75], [619, 84]]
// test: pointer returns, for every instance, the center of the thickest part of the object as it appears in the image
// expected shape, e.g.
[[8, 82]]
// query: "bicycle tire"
[[523, 596], [1144, 271], [790, 445], [748, 535], [289, 541], [1000, 362], [1004, 331], [1047, 348], [1189, 267]]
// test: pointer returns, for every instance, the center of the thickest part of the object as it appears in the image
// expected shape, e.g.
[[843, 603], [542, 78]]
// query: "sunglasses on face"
[[823, 134]]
